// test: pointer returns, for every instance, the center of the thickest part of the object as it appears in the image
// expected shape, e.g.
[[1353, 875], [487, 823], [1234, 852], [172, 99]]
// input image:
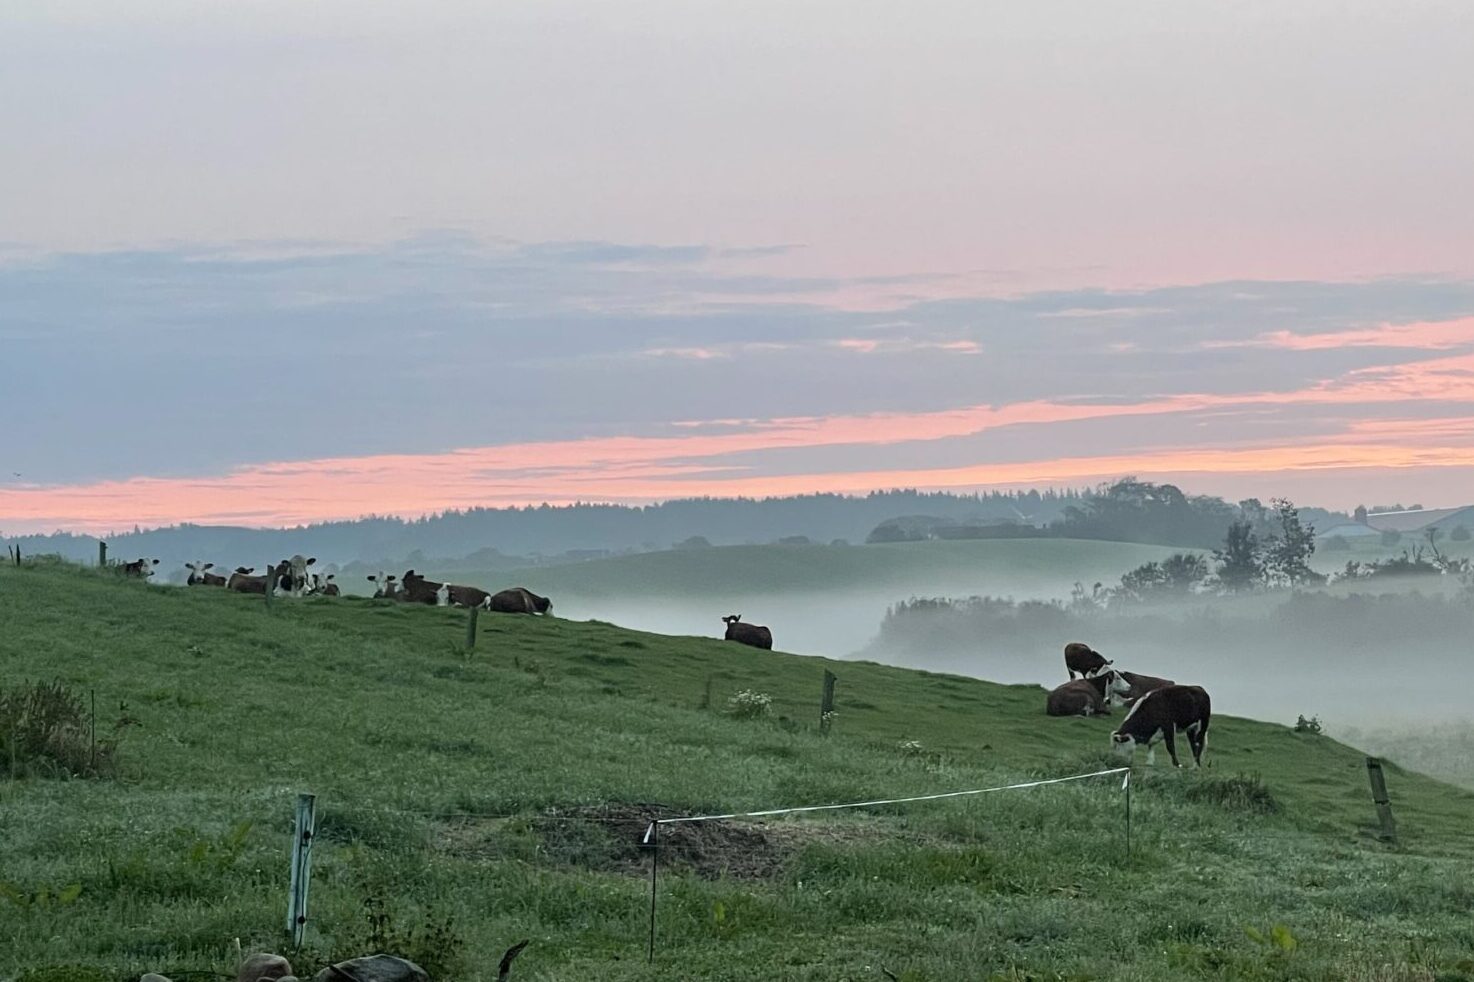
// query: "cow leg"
[[1169, 733]]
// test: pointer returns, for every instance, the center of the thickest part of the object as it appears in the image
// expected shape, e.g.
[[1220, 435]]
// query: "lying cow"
[[292, 576], [519, 600], [324, 585], [750, 634], [241, 581], [466, 596], [141, 568], [1079, 697], [1084, 659], [415, 589], [1164, 711], [386, 587], [199, 575]]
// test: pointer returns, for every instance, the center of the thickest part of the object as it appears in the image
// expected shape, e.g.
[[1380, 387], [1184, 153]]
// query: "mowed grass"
[[463, 788]]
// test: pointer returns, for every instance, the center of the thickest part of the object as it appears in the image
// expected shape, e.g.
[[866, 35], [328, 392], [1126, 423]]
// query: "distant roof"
[[1346, 530], [1417, 520]]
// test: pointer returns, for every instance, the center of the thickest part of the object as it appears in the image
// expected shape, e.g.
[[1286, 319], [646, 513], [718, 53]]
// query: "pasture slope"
[[460, 798]]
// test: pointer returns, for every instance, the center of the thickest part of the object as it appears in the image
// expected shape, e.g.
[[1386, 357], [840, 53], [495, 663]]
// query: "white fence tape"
[[883, 801]]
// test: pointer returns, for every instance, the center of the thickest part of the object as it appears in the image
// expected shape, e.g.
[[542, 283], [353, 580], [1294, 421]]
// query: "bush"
[[1241, 792], [45, 731], [1311, 725], [748, 704]]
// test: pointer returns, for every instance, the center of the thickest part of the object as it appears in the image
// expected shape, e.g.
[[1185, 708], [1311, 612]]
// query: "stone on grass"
[[375, 968], [153, 977], [264, 968]]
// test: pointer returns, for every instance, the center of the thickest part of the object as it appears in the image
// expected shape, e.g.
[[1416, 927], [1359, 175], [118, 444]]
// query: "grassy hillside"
[[496, 797]]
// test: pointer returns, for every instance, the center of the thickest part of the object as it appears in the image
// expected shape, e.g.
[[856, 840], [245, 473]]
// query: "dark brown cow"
[[750, 634], [1142, 684], [415, 589], [519, 600], [1076, 698], [199, 577], [466, 596], [1084, 659], [1164, 711], [242, 581], [141, 568]]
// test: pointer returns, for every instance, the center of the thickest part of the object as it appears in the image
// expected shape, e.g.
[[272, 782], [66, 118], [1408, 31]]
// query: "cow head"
[[245, 570], [385, 585], [1117, 688], [197, 572], [731, 619], [1124, 744]]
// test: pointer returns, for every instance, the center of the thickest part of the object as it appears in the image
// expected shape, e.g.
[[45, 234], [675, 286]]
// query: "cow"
[[466, 596], [519, 600], [1078, 697], [1164, 711], [1142, 684], [199, 575], [751, 634], [141, 568], [324, 585], [385, 586], [291, 574], [241, 581], [418, 590], [1084, 659]]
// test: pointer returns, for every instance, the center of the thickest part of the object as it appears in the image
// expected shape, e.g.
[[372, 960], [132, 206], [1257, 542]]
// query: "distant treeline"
[[518, 536]]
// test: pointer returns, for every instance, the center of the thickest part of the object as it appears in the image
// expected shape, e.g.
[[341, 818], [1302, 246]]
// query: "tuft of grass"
[[46, 730]]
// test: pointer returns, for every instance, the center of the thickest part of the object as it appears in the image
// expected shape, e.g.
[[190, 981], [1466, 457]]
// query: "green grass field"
[[495, 796]]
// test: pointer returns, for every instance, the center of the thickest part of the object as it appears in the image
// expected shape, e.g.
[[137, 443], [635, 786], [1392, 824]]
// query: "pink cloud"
[[701, 458], [1430, 335]]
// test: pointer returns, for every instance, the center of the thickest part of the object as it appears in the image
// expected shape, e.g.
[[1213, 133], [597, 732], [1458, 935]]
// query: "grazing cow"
[[466, 596], [750, 634], [241, 581], [1165, 711], [1078, 697], [141, 568], [418, 590], [199, 577], [1083, 659], [519, 600], [291, 574], [386, 587], [1142, 684]]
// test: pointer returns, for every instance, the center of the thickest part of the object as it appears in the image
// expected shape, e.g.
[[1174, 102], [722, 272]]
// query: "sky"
[[267, 263]]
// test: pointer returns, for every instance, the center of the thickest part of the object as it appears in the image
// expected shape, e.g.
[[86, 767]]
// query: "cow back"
[[1075, 698]]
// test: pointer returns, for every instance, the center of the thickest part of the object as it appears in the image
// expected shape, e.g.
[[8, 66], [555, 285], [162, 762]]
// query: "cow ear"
[[208, 566], [390, 579], [312, 560], [371, 578]]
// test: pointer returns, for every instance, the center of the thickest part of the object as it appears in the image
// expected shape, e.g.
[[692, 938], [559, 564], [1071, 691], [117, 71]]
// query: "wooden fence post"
[[1380, 799], [471, 628], [826, 702], [301, 866], [101, 554], [270, 582]]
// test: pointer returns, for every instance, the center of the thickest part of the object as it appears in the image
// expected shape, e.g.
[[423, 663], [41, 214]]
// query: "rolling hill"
[[467, 800]]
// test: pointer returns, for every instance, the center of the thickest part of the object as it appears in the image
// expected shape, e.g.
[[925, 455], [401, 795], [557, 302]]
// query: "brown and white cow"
[[750, 634], [1080, 657], [199, 575], [519, 600], [140, 568], [1077, 697], [1142, 684], [1163, 712]]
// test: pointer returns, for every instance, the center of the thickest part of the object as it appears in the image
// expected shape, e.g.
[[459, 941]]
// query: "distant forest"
[[490, 538]]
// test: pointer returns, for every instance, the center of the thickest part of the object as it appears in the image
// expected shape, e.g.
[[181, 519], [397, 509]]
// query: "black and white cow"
[[386, 585], [750, 634], [291, 575], [1163, 712]]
